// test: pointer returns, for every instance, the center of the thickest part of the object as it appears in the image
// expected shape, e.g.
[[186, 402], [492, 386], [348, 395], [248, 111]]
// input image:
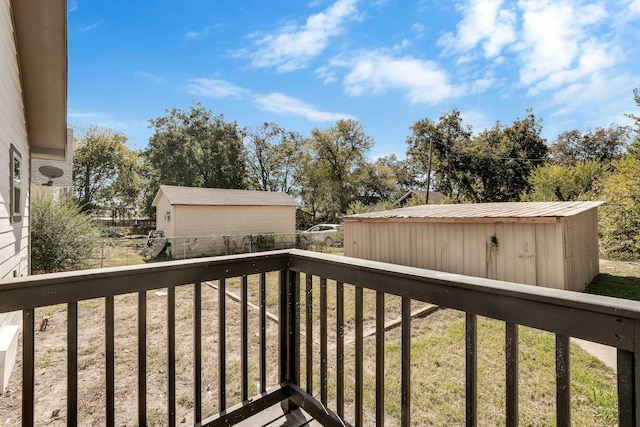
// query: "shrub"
[[62, 237]]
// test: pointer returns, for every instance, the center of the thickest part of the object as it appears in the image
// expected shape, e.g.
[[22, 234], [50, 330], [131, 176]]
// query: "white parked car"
[[327, 233]]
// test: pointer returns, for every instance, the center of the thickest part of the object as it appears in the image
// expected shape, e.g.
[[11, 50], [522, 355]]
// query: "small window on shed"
[[15, 184]]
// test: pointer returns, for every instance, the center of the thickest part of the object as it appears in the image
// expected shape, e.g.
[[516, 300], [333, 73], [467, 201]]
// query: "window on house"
[[15, 184]]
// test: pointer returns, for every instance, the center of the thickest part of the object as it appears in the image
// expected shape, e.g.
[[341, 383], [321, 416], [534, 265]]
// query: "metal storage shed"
[[550, 244]]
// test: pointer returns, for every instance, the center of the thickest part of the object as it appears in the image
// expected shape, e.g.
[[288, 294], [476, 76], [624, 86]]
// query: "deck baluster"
[[323, 341], [380, 343], [28, 366], [563, 381], [406, 363], [340, 349], [109, 350], [171, 356], [511, 355], [471, 383], [263, 332], [72, 363], [197, 352], [222, 345], [244, 349], [359, 374], [309, 331]]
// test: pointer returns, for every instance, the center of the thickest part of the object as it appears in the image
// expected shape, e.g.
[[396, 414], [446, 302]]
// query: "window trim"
[[15, 185]]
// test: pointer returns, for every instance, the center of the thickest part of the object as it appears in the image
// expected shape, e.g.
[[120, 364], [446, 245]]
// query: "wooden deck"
[[275, 417]]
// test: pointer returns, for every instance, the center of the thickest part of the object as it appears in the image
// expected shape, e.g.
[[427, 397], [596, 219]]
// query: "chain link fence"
[[118, 250]]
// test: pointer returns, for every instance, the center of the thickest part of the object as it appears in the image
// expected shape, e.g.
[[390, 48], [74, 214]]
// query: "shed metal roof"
[[509, 212], [193, 196]]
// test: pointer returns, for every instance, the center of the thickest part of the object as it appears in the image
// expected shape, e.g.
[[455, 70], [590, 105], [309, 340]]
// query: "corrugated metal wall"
[[560, 255]]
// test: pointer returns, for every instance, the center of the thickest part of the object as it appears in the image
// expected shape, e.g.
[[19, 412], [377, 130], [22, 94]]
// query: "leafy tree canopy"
[[556, 182], [493, 166], [194, 148], [620, 219], [331, 179], [105, 171], [276, 158], [603, 145]]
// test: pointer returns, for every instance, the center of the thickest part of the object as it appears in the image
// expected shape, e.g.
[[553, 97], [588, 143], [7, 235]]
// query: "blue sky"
[[386, 63]]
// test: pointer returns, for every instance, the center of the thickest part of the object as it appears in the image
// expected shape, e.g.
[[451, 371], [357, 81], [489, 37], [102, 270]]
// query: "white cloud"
[[484, 23], [215, 88], [634, 7], [482, 84], [292, 47], [419, 29], [91, 26], [199, 34], [283, 104], [327, 74], [73, 6], [423, 81], [477, 120], [149, 76], [557, 46], [82, 120]]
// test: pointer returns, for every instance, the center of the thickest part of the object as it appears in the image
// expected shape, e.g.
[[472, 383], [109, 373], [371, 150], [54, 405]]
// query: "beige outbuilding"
[[200, 220], [550, 244]]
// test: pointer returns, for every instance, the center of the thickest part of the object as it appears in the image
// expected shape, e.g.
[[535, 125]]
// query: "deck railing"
[[308, 322]]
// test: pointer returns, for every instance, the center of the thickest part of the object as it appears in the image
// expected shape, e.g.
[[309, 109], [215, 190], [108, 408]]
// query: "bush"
[[62, 237], [620, 221]]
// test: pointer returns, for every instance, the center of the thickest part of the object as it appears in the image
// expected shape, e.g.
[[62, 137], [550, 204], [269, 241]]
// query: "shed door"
[[516, 253]]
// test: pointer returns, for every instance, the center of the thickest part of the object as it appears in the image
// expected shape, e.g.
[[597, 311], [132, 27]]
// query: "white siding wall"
[[233, 220], [164, 211], [14, 238]]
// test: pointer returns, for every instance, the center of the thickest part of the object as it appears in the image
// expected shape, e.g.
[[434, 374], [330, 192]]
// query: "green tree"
[[358, 207], [635, 143], [194, 148], [620, 219], [275, 158], [378, 181], [63, 238], [603, 145], [493, 166], [105, 171], [558, 182], [337, 152], [448, 137]]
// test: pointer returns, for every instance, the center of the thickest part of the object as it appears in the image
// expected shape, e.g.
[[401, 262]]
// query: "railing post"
[[289, 332]]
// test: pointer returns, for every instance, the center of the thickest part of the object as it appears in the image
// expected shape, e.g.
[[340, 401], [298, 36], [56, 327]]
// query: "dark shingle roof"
[[193, 196]]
